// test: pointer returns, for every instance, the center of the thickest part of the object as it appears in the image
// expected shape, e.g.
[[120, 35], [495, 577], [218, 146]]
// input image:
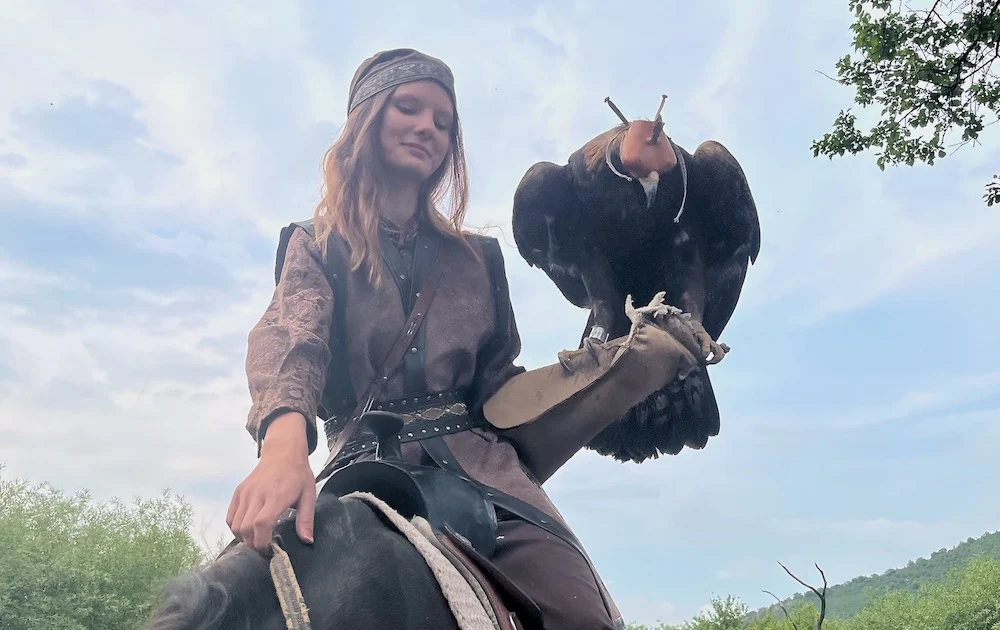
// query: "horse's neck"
[[242, 580]]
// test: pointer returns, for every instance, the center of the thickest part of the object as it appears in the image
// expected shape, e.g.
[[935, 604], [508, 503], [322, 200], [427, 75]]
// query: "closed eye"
[[411, 107], [408, 108]]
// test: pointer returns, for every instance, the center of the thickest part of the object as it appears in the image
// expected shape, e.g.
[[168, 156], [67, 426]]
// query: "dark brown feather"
[[582, 218]]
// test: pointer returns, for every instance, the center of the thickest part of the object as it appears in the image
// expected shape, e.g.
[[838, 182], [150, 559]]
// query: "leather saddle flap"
[[440, 497], [513, 597], [389, 483]]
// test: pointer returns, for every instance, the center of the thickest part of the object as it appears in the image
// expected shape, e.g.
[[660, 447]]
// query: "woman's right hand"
[[282, 479]]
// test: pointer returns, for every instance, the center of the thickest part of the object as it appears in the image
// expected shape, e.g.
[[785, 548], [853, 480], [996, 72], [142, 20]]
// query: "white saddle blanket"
[[468, 603]]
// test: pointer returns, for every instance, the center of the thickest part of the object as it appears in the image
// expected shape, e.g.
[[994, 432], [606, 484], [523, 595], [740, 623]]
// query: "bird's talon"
[[712, 351], [655, 308], [589, 344], [718, 352]]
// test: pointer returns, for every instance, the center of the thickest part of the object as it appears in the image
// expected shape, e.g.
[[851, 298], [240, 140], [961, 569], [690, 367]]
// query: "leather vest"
[[339, 398]]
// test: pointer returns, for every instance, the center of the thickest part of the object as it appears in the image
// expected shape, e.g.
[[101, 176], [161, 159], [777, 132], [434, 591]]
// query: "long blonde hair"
[[354, 182]]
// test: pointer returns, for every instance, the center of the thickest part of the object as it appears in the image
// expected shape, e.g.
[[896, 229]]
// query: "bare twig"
[[974, 141], [933, 11], [829, 77], [981, 66], [964, 57], [821, 596], [785, 610]]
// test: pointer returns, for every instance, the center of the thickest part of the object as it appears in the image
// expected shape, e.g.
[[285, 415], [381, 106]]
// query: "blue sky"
[[149, 155]]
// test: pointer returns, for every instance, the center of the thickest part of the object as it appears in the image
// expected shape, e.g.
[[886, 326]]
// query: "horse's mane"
[[201, 599], [237, 586]]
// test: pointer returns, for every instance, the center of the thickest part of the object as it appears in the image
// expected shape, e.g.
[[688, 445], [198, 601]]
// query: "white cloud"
[[176, 63], [741, 569], [648, 610], [937, 398], [17, 278], [848, 243], [128, 401], [879, 528], [727, 71]]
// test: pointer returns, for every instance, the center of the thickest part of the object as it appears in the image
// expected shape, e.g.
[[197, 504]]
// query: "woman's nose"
[[425, 123]]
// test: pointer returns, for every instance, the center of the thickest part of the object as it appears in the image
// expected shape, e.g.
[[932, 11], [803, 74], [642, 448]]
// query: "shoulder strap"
[[389, 366]]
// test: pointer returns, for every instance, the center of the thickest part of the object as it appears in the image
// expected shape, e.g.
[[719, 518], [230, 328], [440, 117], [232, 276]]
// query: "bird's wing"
[[731, 230], [545, 195]]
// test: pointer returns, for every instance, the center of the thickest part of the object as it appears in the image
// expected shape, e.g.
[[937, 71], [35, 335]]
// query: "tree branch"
[[988, 62], [828, 76], [929, 74], [933, 11], [785, 610], [821, 596]]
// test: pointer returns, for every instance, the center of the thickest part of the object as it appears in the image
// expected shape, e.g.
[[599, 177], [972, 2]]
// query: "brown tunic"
[[288, 353]]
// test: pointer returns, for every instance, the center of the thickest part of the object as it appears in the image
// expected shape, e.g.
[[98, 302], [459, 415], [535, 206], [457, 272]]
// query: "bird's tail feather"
[[684, 413]]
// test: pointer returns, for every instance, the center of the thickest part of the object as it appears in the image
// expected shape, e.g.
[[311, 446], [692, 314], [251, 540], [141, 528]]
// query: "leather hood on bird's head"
[[639, 156]]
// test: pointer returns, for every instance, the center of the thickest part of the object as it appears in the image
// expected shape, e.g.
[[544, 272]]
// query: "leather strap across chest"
[[392, 361], [410, 268]]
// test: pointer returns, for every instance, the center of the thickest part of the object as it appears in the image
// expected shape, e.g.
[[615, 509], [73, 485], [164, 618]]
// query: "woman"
[[400, 152]]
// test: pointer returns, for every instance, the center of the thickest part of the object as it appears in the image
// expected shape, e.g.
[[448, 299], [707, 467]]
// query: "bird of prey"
[[632, 215]]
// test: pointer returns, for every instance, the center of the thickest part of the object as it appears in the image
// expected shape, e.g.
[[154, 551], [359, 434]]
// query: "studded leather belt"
[[425, 415]]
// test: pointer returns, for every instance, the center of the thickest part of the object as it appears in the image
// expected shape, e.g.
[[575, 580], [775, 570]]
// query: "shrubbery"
[[967, 599], [69, 563]]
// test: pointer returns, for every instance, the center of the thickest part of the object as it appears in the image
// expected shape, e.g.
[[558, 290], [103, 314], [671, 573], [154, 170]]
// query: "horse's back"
[[360, 572]]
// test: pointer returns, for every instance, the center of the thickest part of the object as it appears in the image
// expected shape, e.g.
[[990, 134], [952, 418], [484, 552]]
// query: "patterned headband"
[[402, 71]]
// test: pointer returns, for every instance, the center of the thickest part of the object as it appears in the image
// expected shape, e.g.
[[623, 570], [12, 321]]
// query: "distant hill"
[[845, 600]]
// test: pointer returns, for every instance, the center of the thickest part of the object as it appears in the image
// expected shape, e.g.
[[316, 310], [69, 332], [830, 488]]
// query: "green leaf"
[[924, 76]]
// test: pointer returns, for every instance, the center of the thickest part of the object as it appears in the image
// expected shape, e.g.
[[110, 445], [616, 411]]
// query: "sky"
[[150, 153]]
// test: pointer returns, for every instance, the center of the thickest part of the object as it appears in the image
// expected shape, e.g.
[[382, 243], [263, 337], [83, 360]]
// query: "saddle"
[[437, 495], [461, 516]]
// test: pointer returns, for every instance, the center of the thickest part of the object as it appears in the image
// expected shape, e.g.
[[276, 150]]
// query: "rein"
[[293, 604]]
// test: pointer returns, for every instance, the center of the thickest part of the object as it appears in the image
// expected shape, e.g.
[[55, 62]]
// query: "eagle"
[[632, 215]]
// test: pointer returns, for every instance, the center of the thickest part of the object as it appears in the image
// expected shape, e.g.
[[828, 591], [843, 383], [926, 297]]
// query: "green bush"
[[71, 564], [966, 599]]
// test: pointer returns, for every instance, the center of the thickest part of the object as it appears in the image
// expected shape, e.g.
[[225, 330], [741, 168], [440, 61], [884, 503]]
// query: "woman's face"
[[416, 129]]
